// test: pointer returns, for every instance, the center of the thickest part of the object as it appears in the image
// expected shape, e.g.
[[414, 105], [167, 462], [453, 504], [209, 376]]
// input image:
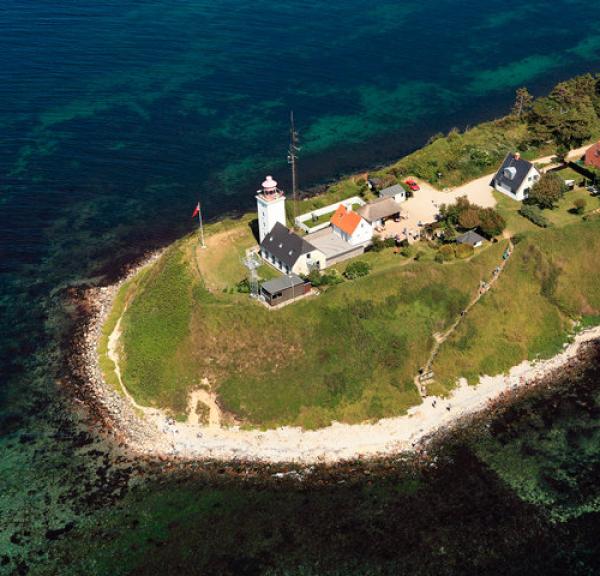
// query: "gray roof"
[[378, 209], [470, 238], [281, 283], [512, 172], [285, 245], [391, 191]]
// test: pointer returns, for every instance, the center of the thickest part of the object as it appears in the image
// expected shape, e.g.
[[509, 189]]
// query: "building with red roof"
[[350, 226], [592, 156]]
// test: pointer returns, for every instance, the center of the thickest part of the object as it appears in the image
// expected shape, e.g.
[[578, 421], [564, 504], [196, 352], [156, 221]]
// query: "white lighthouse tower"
[[270, 202]]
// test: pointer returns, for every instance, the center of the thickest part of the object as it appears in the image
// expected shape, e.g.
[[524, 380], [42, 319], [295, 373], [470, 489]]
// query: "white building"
[[395, 192], [270, 202], [515, 177], [349, 226], [289, 253]]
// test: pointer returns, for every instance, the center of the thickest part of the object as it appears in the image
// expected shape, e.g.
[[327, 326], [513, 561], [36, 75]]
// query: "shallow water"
[[116, 116]]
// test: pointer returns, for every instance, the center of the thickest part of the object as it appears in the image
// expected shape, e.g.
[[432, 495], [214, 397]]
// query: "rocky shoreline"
[[154, 438]]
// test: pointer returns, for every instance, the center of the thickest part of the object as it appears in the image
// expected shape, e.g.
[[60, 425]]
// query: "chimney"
[[517, 155]]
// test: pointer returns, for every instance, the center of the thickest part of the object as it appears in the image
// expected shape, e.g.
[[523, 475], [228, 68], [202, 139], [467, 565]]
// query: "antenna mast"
[[292, 158]]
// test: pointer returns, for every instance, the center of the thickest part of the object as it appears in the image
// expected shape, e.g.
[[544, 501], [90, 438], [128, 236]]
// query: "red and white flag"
[[196, 210]]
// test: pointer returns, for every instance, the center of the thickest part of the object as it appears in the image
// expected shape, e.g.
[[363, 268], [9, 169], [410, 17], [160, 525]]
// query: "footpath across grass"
[[551, 279]]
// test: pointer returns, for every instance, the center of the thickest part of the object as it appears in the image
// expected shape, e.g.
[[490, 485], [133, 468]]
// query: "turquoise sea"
[[115, 118]]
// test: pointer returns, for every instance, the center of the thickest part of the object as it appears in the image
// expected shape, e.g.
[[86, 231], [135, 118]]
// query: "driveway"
[[424, 205]]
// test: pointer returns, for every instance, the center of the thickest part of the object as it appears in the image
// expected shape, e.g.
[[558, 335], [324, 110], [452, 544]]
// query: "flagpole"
[[201, 227]]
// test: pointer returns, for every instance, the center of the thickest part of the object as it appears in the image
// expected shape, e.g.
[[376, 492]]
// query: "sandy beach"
[[151, 432]]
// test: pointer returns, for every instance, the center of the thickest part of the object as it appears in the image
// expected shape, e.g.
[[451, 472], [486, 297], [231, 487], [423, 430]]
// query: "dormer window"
[[510, 172], [280, 245]]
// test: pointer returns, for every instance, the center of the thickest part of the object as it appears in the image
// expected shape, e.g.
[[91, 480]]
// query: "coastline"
[[149, 432]]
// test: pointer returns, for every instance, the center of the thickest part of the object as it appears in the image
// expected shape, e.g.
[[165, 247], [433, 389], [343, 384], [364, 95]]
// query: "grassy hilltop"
[[352, 353]]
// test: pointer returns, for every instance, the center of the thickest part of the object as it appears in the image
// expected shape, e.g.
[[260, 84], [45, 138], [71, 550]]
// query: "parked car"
[[414, 187]]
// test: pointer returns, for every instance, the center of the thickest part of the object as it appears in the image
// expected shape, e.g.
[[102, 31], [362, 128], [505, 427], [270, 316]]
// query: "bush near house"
[[463, 251], [465, 215], [329, 278], [447, 252], [534, 214], [579, 205], [548, 190], [357, 269]]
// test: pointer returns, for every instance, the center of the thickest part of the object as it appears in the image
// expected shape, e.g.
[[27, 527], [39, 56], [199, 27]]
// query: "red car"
[[412, 185]]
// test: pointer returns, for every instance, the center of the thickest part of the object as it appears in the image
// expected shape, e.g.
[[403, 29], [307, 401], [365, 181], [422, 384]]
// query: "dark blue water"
[[117, 115]]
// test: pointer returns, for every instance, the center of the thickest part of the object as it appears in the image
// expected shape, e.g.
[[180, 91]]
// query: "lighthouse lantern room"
[[270, 203]]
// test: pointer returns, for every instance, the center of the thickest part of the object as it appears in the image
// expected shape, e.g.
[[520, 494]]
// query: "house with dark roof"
[[396, 192], [284, 288], [592, 156], [471, 238], [290, 253], [350, 226], [515, 177]]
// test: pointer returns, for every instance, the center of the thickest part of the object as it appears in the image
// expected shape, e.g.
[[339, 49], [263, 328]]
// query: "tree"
[[548, 190], [491, 222], [523, 102], [579, 205], [449, 233], [469, 218], [561, 153]]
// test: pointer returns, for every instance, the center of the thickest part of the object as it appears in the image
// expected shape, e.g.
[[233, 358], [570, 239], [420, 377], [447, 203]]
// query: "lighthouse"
[[270, 203]]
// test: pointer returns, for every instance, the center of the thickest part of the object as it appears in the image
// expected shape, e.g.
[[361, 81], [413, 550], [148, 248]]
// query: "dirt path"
[[113, 355], [484, 287], [209, 399]]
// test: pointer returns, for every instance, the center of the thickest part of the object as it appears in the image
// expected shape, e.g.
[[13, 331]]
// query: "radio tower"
[[292, 158]]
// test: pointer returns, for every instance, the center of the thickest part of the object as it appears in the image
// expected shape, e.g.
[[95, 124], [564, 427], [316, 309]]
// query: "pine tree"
[[523, 102]]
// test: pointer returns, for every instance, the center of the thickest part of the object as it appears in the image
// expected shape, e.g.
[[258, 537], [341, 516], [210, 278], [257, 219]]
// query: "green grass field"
[[551, 279], [349, 354]]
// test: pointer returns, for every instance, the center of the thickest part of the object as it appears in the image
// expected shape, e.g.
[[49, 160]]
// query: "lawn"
[[561, 215], [220, 264], [361, 342]]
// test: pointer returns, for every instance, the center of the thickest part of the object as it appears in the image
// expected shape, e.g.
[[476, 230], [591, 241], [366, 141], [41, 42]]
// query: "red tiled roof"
[[346, 220], [592, 156]]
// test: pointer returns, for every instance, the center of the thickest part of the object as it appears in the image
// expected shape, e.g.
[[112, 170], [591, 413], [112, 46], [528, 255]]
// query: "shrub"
[[517, 238], [491, 222], [243, 286], [579, 205], [446, 252], [548, 190], [534, 214], [357, 269], [330, 278], [377, 244], [469, 218], [389, 242], [439, 258], [463, 251], [407, 251], [419, 255]]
